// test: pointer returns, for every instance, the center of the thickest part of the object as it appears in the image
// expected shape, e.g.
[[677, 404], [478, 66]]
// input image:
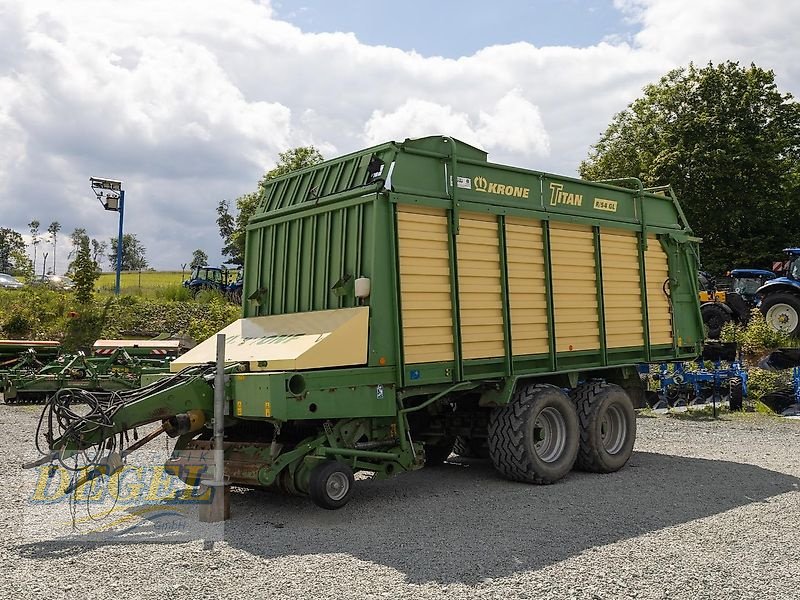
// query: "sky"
[[190, 101]]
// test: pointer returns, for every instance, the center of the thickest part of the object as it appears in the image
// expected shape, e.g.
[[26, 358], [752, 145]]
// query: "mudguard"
[[779, 284]]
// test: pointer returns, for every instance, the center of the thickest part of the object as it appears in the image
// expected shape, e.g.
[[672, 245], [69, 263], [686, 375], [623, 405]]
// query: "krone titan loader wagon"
[[412, 300]]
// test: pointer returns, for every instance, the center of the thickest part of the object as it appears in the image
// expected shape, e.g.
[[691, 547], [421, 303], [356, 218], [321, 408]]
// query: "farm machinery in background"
[[775, 293], [780, 296], [785, 401], [688, 384], [114, 365], [227, 282], [731, 298], [12, 352]]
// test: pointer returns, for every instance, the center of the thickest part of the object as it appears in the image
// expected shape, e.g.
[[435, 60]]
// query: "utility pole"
[[111, 195]]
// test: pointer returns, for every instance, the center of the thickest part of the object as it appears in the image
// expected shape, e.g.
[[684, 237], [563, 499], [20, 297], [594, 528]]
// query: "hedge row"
[[35, 313]]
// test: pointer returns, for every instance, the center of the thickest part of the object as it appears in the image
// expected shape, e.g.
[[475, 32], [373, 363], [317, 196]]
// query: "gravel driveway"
[[703, 510]]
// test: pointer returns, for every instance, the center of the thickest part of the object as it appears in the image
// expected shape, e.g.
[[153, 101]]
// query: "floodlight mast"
[[112, 197]]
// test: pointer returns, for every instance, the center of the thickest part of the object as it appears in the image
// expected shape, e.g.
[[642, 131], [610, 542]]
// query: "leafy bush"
[[219, 314], [210, 297], [761, 382], [173, 293], [33, 313], [84, 327], [40, 313], [19, 324], [756, 337]]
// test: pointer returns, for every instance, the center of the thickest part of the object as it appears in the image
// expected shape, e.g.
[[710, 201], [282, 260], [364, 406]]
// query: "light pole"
[[112, 197]]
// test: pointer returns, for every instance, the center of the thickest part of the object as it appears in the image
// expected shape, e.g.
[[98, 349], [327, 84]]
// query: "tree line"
[[15, 258]]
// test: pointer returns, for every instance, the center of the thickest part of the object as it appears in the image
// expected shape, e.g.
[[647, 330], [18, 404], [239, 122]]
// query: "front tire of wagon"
[[534, 438], [607, 426], [331, 484]]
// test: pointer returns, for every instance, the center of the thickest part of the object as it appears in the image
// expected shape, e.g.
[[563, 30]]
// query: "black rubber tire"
[[512, 443], [714, 318], [782, 298], [593, 400], [736, 394], [437, 453], [318, 484], [471, 447]]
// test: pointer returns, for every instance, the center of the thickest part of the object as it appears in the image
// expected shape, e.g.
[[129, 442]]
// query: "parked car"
[[58, 282], [10, 283]]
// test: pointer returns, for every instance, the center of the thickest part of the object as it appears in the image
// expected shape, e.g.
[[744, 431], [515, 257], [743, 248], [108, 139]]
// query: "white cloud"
[[513, 124], [190, 104], [681, 30]]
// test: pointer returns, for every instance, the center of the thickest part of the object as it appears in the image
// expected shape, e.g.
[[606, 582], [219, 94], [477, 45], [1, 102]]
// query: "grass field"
[[130, 282]]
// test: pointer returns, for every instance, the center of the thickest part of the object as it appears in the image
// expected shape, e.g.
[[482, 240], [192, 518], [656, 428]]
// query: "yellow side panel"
[[425, 284], [658, 309], [479, 287], [526, 286], [622, 298], [574, 287]]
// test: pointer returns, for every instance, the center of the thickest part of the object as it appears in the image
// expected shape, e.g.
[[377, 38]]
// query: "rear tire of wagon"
[[534, 438], [607, 426]]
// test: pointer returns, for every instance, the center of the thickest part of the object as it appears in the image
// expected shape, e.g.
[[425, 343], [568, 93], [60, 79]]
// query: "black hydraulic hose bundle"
[[71, 413], [65, 421]]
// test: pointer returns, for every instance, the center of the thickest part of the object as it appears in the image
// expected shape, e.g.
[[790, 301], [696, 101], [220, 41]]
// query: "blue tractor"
[[747, 282], [729, 298], [206, 278], [780, 297]]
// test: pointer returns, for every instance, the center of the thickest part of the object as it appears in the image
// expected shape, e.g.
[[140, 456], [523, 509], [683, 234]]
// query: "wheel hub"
[[613, 430], [337, 486], [549, 434], [782, 317]]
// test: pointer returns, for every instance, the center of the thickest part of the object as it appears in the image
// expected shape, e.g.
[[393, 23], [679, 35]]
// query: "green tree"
[[12, 246], [84, 272], [35, 240], [728, 141], [53, 230], [76, 237], [133, 253], [232, 228], [98, 250], [22, 265], [199, 259]]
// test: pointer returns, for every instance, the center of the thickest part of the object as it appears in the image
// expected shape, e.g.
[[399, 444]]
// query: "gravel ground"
[[705, 509]]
